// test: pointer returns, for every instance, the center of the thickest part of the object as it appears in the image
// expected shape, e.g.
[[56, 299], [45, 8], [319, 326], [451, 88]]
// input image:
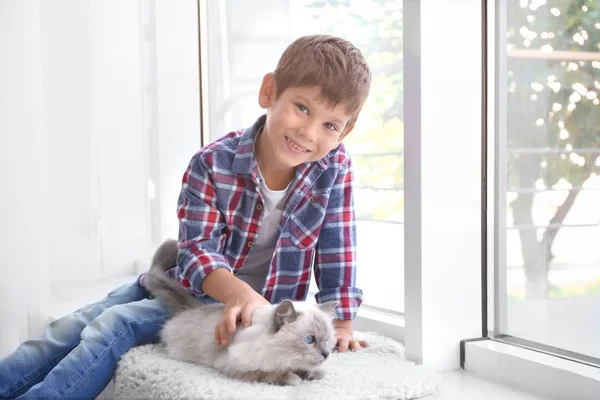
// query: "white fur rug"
[[377, 372]]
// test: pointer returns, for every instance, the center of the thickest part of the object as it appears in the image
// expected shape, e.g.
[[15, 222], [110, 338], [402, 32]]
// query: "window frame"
[[444, 248], [495, 356]]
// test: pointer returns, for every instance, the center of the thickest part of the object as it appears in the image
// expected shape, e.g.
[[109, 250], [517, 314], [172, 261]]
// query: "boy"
[[256, 209]]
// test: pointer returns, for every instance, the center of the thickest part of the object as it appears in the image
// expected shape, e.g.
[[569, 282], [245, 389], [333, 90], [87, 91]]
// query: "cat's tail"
[[164, 288]]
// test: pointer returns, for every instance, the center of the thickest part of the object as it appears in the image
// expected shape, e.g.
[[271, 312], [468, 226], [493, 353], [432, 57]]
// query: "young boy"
[[257, 209]]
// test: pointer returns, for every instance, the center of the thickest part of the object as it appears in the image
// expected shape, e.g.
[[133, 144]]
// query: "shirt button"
[[250, 243], [259, 207], [314, 199]]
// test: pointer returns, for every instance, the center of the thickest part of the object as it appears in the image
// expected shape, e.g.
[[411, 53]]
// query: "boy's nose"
[[309, 131], [307, 135]]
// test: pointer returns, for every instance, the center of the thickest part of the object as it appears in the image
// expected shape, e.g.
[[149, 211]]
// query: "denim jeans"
[[78, 354]]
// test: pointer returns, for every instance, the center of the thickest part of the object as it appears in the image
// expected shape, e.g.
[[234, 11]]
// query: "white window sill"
[[384, 324], [532, 371]]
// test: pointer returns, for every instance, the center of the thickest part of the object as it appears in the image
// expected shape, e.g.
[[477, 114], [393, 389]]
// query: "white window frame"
[[532, 370], [443, 143]]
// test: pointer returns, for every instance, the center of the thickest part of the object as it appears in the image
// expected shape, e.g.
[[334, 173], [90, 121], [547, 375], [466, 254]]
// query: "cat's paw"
[[316, 374], [290, 379], [313, 375]]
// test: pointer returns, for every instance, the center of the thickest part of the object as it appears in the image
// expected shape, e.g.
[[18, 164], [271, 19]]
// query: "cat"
[[286, 343]]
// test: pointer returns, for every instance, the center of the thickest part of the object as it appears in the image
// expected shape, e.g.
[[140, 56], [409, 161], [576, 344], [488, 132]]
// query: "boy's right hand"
[[238, 308]]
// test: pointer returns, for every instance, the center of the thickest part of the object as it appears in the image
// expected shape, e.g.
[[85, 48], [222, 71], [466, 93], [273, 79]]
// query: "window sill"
[[533, 371], [388, 325]]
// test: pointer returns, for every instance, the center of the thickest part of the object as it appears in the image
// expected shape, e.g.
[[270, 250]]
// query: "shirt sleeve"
[[335, 259], [201, 227]]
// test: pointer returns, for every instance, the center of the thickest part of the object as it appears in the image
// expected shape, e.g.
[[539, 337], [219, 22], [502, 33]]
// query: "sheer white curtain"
[[99, 115], [23, 214]]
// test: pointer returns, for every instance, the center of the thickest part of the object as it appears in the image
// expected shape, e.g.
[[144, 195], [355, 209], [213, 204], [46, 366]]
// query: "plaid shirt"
[[220, 210]]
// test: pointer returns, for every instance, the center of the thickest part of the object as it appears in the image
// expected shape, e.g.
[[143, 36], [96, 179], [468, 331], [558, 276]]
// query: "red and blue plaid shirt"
[[220, 209]]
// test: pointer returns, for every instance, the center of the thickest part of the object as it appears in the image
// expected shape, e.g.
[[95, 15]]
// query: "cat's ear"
[[329, 307], [285, 313]]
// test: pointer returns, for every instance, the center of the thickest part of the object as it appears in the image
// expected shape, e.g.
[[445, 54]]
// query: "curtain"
[[99, 116]]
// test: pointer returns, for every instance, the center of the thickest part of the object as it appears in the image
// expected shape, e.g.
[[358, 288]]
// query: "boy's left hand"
[[345, 337]]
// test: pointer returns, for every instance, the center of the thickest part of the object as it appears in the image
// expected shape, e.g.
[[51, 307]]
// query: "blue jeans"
[[78, 354]]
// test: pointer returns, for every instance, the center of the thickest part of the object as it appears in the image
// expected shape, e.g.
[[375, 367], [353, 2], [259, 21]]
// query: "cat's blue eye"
[[309, 339]]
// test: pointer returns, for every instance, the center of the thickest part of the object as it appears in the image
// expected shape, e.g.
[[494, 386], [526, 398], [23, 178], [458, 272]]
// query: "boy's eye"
[[309, 339], [302, 108], [330, 126]]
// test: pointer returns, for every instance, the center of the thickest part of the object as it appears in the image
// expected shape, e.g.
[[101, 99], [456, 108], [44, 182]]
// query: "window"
[[547, 184], [244, 42]]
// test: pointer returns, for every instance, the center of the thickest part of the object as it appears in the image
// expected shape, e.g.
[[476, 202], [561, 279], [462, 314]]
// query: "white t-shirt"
[[256, 266]]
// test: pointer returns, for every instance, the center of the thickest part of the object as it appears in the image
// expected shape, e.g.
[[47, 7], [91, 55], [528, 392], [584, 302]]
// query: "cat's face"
[[304, 334]]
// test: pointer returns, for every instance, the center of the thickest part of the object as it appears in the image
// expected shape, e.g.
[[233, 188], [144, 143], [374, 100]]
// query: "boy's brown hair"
[[331, 63]]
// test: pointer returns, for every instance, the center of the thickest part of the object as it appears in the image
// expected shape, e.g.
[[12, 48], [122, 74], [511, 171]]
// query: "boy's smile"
[[301, 127], [296, 147]]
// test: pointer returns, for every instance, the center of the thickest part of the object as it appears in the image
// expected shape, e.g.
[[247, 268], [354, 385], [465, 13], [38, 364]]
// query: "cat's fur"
[[272, 349]]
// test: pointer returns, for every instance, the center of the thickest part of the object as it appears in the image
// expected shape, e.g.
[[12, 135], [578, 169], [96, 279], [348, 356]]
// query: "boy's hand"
[[238, 308], [345, 337]]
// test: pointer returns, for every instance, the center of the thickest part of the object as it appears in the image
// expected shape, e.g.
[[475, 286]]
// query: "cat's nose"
[[325, 354]]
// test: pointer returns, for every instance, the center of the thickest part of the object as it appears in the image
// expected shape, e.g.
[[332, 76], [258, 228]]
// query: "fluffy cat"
[[286, 342]]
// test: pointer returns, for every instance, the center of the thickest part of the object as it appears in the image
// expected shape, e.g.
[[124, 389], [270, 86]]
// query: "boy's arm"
[[203, 268], [201, 228], [239, 298], [335, 260]]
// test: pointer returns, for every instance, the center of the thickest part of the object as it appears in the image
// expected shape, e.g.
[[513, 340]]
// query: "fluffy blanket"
[[377, 372]]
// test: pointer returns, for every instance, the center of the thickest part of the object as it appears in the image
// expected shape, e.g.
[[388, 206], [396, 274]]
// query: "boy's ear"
[[346, 132], [266, 94]]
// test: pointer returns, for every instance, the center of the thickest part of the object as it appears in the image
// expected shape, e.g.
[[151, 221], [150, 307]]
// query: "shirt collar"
[[244, 161]]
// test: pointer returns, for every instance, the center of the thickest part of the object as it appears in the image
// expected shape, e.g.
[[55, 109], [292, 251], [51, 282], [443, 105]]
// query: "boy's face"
[[301, 126]]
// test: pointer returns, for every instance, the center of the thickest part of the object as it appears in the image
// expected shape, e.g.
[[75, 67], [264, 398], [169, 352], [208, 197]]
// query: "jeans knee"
[[111, 323], [66, 330], [133, 324]]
